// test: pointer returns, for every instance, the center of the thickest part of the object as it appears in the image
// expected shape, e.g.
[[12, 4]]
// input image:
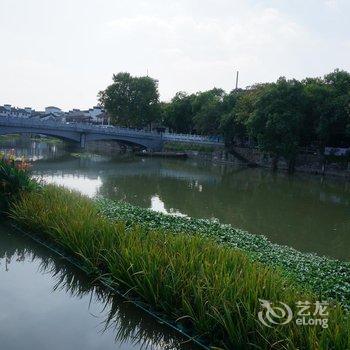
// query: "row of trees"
[[278, 117]]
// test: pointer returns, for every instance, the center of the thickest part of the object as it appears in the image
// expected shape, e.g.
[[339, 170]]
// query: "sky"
[[62, 52]]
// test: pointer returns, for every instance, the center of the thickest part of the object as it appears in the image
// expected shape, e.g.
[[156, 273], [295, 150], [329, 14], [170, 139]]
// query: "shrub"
[[14, 178]]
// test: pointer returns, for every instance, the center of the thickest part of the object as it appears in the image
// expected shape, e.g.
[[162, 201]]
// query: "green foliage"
[[14, 178], [179, 114], [208, 108], [212, 290], [131, 101], [277, 120], [325, 277], [278, 117], [231, 125], [329, 108]]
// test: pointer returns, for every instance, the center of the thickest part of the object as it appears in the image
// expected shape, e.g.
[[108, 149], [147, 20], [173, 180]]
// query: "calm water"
[[309, 213], [47, 304]]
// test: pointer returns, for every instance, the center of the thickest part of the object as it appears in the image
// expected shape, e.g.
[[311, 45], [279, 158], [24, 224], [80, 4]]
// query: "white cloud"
[[209, 49], [64, 53], [333, 4]]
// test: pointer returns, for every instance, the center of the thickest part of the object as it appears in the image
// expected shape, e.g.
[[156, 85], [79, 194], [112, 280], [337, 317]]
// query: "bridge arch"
[[126, 140]]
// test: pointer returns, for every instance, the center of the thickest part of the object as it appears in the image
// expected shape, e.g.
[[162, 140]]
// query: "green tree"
[[328, 110], [131, 101], [231, 127], [116, 99], [277, 120], [179, 113], [145, 101], [208, 108], [234, 123], [336, 129]]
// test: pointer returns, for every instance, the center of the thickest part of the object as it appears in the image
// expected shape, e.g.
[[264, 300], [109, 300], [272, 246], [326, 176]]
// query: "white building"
[[12, 112], [53, 110], [95, 115]]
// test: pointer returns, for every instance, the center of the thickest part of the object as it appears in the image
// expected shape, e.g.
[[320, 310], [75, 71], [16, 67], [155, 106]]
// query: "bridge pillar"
[[82, 140]]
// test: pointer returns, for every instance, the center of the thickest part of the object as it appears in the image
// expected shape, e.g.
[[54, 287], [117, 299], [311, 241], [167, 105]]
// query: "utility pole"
[[237, 74]]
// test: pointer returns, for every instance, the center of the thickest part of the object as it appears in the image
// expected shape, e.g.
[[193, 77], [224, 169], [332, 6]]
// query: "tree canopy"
[[131, 101], [277, 117]]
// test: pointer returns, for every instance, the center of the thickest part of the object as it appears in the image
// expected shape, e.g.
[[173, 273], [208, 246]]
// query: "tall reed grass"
[[211, 290], [328, 278]]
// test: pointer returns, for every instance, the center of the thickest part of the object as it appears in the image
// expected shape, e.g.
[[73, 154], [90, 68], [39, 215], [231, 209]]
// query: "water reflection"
[[158, 205], [43, 298], [309, 213], [89, 186]]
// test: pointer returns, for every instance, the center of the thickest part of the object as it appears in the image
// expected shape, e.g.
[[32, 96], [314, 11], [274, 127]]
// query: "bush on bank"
[[325, 277], [212, 289], [14, 179]]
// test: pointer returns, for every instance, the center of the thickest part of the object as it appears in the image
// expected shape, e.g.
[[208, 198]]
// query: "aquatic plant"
[[325, 277], [14, 178], [210, 289]]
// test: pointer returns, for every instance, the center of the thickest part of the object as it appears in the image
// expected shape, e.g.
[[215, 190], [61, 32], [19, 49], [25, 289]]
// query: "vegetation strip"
[[212, 290], [325, 277]]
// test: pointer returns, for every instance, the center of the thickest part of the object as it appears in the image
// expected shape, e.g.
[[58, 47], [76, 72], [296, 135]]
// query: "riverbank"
[[184, 276], [308, 163]]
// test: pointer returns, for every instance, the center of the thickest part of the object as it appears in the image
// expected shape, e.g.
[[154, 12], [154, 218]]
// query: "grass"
[[325, 277], [211, 289], [9, 137]]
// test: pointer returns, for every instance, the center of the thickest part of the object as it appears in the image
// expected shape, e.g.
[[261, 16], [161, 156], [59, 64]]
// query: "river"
[[309, 213], [45, 303]]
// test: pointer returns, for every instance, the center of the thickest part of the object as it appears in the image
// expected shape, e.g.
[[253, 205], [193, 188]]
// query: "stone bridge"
[[82, 133]]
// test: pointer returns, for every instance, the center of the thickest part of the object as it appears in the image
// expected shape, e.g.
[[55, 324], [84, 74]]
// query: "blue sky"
[[63, 52]]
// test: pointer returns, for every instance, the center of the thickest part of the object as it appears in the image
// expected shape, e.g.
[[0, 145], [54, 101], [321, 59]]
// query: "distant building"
[[95, 115], [77, 116], [54, 110], [52, 117], [12, 112], [4, 112]]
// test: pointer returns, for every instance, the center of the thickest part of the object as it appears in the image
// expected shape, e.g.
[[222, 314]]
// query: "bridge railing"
[[193, 138], [79, 127]]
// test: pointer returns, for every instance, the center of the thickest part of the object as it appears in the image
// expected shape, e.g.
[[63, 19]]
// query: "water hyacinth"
[[326, 277]]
